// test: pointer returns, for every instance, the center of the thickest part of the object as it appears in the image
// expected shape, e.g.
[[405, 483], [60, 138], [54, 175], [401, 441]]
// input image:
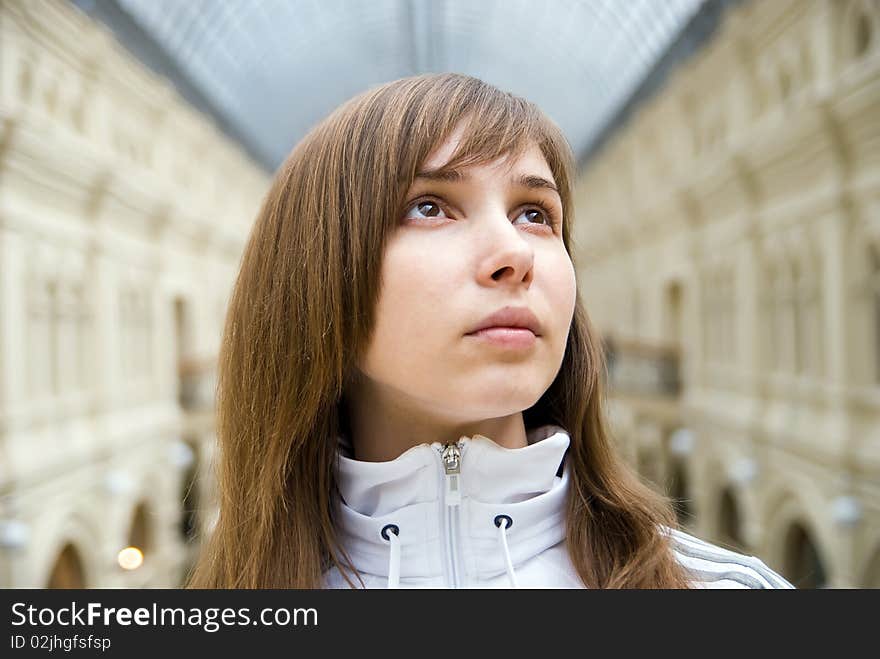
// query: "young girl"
[[409, 388]]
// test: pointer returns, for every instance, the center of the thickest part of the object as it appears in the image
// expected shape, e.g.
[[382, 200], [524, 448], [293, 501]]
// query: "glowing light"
[[130, 558]]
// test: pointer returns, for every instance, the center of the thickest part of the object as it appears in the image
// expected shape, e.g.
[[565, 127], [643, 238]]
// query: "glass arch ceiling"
[[273, 68]]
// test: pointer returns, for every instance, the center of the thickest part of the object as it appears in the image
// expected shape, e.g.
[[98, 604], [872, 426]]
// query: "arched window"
[[862, 34], [803, 565], [872, 574], [729, 522], [67, 571], [190, 499], [648, 465], [679, 492], [140, 533]]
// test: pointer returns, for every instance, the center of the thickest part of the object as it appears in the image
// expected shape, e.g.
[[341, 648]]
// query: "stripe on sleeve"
[[718, 560]]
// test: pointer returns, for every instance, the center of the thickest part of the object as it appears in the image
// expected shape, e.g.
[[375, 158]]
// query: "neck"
[[383, 428]]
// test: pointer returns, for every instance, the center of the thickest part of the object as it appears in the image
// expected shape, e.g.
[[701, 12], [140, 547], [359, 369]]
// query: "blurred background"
[[727, 242]]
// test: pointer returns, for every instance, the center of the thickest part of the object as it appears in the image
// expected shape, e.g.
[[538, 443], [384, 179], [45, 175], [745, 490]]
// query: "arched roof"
[[273, 68]]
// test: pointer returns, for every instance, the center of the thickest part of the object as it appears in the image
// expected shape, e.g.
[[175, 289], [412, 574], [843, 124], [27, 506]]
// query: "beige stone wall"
[[736, 219], [122, 217]]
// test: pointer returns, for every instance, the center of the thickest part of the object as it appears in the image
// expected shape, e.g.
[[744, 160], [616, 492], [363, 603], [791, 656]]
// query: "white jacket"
[[477, 515]]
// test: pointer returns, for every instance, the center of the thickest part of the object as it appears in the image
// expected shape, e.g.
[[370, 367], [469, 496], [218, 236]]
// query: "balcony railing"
[[642, 369]]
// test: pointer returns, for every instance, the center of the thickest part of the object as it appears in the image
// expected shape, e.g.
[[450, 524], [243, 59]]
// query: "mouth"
[[513, 338], [512, 321]]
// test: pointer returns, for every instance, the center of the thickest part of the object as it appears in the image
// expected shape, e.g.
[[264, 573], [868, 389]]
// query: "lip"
[[508, 338], [509, 318]]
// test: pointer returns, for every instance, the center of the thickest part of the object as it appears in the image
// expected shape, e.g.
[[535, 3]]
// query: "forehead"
[[530, 161]]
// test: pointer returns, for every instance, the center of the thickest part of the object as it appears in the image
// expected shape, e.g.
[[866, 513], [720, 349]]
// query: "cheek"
[[414, 284], [411, 316], [561, 291]]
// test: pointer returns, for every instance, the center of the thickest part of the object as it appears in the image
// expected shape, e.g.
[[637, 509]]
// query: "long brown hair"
[[300, 315]]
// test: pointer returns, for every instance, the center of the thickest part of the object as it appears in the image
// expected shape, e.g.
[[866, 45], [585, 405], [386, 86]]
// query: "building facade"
[[728, 249], [731, 228], [123, 214]]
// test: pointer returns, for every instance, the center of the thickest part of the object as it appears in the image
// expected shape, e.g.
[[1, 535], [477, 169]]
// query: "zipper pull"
[[451, 457]]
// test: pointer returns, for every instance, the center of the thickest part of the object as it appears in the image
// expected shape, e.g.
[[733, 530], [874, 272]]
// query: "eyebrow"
[[456, 176]]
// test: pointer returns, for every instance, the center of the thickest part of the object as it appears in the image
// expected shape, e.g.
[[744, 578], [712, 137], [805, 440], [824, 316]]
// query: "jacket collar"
[[527, 484]]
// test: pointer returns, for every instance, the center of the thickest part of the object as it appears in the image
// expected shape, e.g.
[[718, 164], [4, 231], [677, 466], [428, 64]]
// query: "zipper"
[[450, 462], [451, 454]]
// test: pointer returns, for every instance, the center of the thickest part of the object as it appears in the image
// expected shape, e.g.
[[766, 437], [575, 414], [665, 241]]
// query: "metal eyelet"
[[501, 518], [390, 527]]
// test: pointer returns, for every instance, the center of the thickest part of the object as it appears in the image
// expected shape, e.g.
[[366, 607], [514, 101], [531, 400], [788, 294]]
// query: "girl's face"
[[468, 247]]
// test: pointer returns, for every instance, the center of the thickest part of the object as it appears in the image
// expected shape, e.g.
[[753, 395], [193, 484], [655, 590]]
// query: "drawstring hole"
[[390, 527], [503, 518]]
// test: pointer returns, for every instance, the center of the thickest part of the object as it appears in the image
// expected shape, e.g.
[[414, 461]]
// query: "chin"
[[519, 380], [500, 401]]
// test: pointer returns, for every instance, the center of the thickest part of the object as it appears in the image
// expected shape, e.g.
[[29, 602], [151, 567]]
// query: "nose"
[[508, 257]]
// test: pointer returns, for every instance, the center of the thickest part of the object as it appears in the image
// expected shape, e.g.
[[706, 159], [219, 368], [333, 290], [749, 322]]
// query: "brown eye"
[[532, 215], [425, 208]]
